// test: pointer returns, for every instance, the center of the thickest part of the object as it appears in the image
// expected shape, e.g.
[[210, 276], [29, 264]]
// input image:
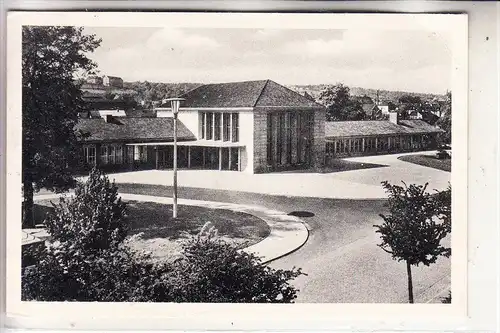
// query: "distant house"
[[94, 80], [112, 81]]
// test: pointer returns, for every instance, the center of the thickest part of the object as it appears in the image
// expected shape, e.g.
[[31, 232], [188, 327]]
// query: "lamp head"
[[175, 103]]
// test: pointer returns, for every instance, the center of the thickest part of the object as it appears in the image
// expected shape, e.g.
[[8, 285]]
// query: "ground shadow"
[[301, 213], [338, 165]]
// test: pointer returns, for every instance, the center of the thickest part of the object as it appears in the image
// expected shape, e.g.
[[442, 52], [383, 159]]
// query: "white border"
[[239, 316]]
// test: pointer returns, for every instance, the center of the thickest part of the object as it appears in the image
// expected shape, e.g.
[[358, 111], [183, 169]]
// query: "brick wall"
[[318, 151], [260, 141]]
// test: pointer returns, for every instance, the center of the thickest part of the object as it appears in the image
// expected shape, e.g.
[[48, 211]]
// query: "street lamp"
[[175, 103]]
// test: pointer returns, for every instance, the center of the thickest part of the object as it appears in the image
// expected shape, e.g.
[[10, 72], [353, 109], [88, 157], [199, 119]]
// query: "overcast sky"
[[416, 61]]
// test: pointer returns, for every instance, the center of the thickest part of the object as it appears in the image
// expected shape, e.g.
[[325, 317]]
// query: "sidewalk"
[[288, 233]]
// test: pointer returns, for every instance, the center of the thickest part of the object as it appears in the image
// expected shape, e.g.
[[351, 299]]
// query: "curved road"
[[341, 259]]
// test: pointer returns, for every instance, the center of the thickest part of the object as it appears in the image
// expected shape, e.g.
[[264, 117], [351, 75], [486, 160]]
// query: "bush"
[[93, 219], [442, 155], [214, 271], [89, 259]]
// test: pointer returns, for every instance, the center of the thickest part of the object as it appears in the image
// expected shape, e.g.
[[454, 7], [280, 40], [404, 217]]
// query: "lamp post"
[[175, 103]]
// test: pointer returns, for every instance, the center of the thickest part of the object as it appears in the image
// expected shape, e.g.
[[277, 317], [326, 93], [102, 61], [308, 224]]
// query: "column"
[[156, 156], [189, 157], [220, 158], [363, 145], [213, 126], [411, 141], [230, 157], [376, 144]]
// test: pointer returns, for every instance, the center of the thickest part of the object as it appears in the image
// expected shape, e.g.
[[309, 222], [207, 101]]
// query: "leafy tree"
[[51, 100], [215, 271], [340, 105], [445, 121], [416, 224], [410, 99]]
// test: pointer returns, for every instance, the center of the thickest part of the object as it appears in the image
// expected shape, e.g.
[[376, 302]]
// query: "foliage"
[[445, 121], [51, 100], [153, 91], [415, 226], [89, 259], [215, 271], [93, 218], [340, 105]]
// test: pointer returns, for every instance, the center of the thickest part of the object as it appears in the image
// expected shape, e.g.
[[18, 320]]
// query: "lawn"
[[155, 231], [428, 160]]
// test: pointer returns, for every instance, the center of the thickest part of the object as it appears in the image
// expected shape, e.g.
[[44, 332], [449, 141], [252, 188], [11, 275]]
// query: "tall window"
[[203, 124], [217, 126], [89, 154], [210, 124], [235, 127], [112, 154], [226, 125], [269, 139], [104, 154]]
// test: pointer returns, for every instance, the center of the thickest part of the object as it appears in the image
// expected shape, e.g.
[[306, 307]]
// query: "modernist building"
[[252, 126]]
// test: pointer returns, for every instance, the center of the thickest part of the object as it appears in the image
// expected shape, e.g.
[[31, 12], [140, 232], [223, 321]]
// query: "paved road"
[[341, 258]]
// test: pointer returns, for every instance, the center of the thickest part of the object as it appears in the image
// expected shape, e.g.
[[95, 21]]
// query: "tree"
[[445, 121], [51, 100], [340, 105], [416, 224]]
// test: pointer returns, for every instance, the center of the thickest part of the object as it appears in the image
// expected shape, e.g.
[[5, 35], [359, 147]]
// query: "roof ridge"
[[261, 92], [295, 92]]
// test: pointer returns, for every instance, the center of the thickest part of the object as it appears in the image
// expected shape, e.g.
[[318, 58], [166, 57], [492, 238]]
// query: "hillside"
[[315, 90]]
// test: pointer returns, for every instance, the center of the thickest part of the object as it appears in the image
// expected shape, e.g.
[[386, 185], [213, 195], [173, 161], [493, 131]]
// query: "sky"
[[406, 60]]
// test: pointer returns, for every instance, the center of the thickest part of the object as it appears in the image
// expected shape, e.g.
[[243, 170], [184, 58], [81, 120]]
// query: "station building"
[[251, 126]]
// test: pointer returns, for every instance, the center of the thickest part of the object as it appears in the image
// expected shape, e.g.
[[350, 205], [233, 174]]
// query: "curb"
[[289, 240]]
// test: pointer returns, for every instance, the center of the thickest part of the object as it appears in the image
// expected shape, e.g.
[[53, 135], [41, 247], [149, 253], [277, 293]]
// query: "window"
[[203, 124], [235, 127], [104, 154], [226, 125], [112, 154], [89, 154], [119, 154], [217, 126], [269, 139], [209, 125]]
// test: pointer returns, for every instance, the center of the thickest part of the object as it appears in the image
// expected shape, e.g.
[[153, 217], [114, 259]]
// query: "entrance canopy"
[[197, 143]]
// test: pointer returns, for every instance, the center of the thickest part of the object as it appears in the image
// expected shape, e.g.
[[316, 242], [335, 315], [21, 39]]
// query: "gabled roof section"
[[132, 129], [275, 94], [263, 93], [224, 95]]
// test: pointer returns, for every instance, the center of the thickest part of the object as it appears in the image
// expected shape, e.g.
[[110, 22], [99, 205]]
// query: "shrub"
[[214, 271], [89, 259], [93, 219]]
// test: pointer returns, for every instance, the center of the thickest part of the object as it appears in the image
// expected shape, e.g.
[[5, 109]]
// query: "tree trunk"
[[28, 213], [410, 283]]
